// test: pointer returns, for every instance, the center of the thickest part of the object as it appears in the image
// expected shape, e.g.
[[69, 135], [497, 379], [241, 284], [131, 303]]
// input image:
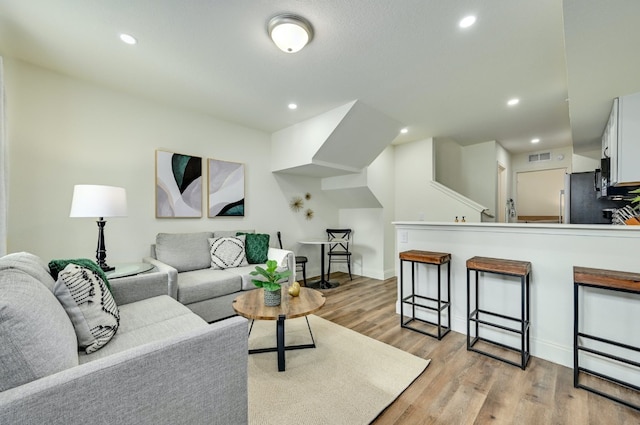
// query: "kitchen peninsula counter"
[[553, 250]]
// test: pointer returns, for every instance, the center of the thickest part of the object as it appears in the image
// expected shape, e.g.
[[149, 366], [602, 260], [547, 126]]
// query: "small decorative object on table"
[[272, 289], [294, 289]]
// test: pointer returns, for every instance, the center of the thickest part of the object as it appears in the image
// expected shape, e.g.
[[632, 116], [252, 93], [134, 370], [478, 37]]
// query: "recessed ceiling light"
[[536, 140], [129, 39], [467, 21], [513, 102], [292, 106], [404, 130]]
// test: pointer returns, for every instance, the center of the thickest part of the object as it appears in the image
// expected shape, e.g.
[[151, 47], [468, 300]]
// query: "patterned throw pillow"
[[89, 304], [256, 247], [227, 252]]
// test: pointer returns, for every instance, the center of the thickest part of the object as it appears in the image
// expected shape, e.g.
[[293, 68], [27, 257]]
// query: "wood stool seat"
[[439, 304], [499, 265], [478, 316], [428, 257]]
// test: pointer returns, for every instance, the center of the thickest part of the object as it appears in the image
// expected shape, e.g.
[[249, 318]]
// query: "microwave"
[[603, 187]]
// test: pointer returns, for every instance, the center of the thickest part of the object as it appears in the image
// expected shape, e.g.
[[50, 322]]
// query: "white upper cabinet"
[[621, 140]]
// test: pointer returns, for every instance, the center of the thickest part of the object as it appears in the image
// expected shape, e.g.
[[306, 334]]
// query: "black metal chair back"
[[341, 237], [339, 251], [301, 261]]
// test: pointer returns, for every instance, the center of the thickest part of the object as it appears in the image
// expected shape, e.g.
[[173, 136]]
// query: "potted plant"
[[636, 200], [636, 207], [271, 286]]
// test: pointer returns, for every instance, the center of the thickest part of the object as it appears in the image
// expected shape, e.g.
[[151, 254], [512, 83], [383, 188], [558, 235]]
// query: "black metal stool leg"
[[436, 305]]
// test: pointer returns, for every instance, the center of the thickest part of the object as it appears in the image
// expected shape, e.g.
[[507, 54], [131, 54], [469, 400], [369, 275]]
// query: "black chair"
[[301, 262], [339, 251]]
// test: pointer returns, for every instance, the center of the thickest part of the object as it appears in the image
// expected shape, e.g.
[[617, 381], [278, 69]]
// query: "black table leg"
[[323, 283], [280, 347], [280, 342]]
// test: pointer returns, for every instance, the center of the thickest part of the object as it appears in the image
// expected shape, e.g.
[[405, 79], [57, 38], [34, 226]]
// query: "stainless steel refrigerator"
[[581, 202]]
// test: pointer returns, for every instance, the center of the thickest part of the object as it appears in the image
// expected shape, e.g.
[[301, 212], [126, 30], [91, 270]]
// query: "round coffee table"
[[251, 306]]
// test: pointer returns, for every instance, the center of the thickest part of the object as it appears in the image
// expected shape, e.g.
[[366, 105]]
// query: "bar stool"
[[521, 269], [415, 300], [621, 282]]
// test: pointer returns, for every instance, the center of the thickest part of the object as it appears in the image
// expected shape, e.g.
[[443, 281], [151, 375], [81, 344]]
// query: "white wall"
[[373, 233], [449, 168], [63, 131], [382, 184], [296, 226], [368, 243], [472, 170], [587, 161], [560, 158], [480, 173], [415, 198], [373, 243]]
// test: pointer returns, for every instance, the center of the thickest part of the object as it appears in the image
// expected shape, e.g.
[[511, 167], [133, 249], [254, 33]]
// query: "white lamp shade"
[[290, 33], [98, 201]]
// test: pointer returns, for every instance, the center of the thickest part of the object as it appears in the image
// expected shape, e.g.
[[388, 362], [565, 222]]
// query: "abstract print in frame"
[[226, 189], [178, 185]]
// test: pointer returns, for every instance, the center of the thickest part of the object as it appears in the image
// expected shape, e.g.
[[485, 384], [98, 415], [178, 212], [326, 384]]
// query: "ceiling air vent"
[[544, 156]]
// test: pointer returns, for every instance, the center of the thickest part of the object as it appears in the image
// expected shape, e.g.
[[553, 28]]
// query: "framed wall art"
[[178, 185], [225, 189]]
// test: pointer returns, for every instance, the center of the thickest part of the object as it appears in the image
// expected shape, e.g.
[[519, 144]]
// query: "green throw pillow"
[[256, 247]]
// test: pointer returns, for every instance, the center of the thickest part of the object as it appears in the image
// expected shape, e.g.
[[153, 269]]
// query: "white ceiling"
[[405, 58]]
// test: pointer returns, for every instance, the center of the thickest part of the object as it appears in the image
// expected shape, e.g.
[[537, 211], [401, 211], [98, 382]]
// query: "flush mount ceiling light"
[[513, 102], [290, 32], [536, 140]]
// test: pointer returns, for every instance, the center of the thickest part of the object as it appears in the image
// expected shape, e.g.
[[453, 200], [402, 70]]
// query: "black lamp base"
[[101, 251], [105, 267]]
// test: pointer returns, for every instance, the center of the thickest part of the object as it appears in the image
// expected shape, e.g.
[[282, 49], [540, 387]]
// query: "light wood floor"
[[461, 387]]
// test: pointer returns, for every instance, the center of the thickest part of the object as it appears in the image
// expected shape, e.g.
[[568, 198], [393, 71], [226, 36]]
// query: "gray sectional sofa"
[[164, 365], [208, 292]]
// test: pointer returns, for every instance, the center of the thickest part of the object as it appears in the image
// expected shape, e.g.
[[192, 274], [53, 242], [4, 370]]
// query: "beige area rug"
[[348, 378]]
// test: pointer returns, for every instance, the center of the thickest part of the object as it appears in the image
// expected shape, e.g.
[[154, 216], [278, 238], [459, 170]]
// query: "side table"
[[128, 269]]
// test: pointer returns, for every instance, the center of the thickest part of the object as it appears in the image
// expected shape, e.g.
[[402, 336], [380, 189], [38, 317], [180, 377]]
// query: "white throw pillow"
[[227, 252], [89, 304]]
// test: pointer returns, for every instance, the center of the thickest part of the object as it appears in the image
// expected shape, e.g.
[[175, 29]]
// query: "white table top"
[[321, 241], [128, 269]]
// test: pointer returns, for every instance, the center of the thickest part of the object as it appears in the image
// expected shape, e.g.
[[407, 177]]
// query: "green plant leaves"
[[271, 275]]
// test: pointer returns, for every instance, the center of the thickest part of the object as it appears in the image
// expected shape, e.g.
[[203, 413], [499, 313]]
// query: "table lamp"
[[99, 201]]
